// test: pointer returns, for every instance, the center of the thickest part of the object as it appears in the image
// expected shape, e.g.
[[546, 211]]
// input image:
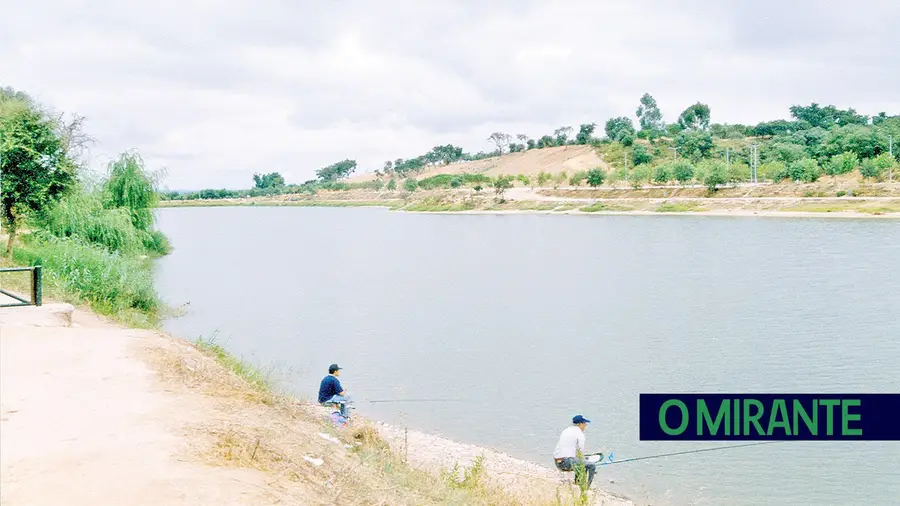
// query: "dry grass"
[[240, 422]]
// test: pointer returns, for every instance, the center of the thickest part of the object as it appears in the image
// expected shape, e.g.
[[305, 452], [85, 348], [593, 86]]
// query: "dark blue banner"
[[776, 417]]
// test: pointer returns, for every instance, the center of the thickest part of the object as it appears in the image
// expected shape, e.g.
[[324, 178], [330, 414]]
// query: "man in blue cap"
[[569, 450], [331, 391]]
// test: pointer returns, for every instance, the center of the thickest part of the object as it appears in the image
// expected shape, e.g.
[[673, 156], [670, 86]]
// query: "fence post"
[[36, 294]]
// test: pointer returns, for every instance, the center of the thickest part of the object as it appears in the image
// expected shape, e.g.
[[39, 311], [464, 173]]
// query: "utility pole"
[[754, 163]]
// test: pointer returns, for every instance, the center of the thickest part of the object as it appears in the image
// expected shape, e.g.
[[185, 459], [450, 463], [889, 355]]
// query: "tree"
[[805, 170], [640, 155], [562, 135], [36, 170], [391, 185], [716, 175], [648, 114], [388, 167], [694, 144], [639, 175], [525, 141], [410, 184], [337, 171], [531, 144], [682, 171], [662, 174], [546, 141], [501, 184], [501, 140], [132, 187], [585, 132], [270, 180], [595, 177], [842, 163], [828, 116], [522, 178], [617, 128], [695, 117]]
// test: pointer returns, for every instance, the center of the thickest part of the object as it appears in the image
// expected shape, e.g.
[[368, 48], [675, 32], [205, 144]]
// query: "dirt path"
[[83, 421]]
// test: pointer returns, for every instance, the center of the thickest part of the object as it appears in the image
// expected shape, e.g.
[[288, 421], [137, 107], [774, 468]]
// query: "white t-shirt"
[[570, 440]]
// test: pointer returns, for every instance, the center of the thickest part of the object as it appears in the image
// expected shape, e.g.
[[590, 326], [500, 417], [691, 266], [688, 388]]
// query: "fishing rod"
[[685, 452], [412, 400]]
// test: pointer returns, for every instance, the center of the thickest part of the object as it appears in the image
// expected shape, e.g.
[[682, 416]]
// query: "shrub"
[[662, 173], [391, 185], [578, 178], [595, 177], [772, 170], [639, 175], [842, 163], [543, 178], [410, 184], [717, 174], [806, 170], [683, 171]]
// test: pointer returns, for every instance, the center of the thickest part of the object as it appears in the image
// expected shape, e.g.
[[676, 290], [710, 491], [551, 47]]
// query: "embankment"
[[93, 412]]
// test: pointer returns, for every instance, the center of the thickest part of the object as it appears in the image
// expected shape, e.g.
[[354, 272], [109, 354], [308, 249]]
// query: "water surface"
[[529, 319]]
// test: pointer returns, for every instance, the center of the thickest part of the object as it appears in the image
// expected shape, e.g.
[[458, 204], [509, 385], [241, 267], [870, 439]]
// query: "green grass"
[[678, 207], [110, 283], [604, 207], [259, 379]]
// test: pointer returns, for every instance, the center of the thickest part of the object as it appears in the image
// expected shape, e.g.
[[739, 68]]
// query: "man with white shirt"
[[569, 450]]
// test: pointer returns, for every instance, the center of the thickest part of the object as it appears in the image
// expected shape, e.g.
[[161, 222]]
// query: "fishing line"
[[414, 400], [700, 450]]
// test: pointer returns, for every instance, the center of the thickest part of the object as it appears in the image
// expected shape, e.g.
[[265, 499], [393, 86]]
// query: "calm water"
[[530, 319]]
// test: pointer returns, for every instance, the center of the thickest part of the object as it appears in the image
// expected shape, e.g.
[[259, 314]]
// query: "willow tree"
[[132, 187]]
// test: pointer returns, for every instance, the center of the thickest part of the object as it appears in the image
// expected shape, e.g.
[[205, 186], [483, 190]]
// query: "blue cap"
[[580, 419]]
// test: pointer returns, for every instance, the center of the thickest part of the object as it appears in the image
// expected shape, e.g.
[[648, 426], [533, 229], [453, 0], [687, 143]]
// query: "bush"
[[543, 178], [595, 177], [806, 170], [842, 163], [578, 178], [477, 188], [716, 175], [662, 173], [456, 182], [639, 175], [640, 155], [772, 170], [391, 185], [683, 171], [111, 282], [410, 184]]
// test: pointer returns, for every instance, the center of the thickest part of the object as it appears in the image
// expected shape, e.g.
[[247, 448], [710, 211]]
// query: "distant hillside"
[[569, 159]]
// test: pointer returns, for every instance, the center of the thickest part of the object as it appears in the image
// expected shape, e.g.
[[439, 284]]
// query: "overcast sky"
[[215, 90]]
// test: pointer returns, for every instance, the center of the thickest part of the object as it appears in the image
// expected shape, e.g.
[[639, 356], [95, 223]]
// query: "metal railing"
[[35, 287]]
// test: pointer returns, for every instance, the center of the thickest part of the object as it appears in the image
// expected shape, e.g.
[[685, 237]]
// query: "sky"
[[213, 91]]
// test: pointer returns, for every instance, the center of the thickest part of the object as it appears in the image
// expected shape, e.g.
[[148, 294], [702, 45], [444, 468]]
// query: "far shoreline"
[[561, 207]]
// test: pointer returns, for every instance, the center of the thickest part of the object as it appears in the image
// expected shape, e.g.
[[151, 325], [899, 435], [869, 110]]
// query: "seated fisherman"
[[570, 449], [331, 391]]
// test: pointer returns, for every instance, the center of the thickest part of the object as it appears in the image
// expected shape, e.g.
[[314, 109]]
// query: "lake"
[[525, 320]]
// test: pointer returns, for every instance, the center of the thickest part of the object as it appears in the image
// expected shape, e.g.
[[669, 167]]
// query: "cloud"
[[216, 90]]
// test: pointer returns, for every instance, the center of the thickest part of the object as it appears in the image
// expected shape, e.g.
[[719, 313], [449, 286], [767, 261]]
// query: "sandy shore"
[[95, 413], [435, 453]]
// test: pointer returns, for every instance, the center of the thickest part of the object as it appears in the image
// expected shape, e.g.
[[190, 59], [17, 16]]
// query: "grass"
[[846, 206], [254, 428], [110, 283], [678, 207], [604, 207]]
